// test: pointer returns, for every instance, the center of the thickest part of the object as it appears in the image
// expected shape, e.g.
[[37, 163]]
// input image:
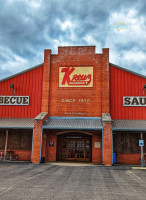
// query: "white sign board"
[[97, 145], [134, 101], [14, 100]]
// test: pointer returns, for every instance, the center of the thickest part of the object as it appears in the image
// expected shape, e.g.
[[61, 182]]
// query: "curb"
[[142, 168]]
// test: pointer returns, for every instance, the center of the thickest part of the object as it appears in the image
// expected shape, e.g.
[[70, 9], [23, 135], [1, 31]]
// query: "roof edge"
[[127, 70], [36, 66], [84, 118], [70, 128], [27, 70], [76, 46], [128, 129]]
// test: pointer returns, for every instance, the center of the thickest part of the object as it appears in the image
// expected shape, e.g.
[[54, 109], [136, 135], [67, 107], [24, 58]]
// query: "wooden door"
[[76, 149]]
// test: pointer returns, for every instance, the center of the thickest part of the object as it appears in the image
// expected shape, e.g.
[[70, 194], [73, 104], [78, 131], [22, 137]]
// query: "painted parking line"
[[134, 174]]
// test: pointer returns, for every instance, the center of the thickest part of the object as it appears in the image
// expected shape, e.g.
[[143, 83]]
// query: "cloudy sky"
[[27, 27]]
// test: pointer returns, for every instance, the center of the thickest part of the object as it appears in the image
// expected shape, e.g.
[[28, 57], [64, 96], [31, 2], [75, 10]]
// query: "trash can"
[[114, 158], [42, 160]]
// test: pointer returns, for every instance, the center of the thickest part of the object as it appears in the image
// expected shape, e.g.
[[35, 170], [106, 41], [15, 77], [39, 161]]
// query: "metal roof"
[[127, 70], [16, 123], [74, 123], [27, 70], [137, 125], [84, 124]]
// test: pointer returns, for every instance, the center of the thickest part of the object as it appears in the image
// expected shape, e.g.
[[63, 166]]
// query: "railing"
[[8, 155]]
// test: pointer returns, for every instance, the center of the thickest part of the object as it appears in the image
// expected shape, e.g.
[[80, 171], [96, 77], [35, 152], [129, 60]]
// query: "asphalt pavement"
[[65, 182]]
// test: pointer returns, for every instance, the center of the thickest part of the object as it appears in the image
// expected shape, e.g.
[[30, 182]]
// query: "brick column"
[[107, 137], [46, 81], [105, 82], [37, 137]]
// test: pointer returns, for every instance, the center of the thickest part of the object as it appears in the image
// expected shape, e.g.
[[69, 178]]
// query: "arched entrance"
[[74, 146]]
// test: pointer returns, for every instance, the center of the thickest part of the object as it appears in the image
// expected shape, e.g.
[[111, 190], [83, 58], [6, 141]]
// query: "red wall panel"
[[124, 83], [26, 84]]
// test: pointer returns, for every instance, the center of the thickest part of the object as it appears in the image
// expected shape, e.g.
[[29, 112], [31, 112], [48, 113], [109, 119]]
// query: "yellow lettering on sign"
[[68, 100], [84, 100]]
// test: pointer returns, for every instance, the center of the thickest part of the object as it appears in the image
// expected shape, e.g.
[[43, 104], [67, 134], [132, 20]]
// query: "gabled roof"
[[27, 70], [127, 70]]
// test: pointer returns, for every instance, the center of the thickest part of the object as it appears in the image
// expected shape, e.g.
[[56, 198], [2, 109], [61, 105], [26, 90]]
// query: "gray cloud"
[[28, 27]]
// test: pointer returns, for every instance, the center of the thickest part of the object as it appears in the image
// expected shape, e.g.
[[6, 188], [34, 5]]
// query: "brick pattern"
[[97, 152], [76, 56], [76, 50], [37, 136], [23, 155], [123, 158], [107, 143], [105, 82], [46, 81], [106, 108], [98, 95], [51, 151], [37, 141]]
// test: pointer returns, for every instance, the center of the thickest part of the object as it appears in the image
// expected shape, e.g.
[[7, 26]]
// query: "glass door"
[[76, 149], [71, 149], [80, 149]]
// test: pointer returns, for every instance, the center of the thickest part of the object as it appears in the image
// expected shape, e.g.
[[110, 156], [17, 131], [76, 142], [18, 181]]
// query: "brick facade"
[[98, 96]]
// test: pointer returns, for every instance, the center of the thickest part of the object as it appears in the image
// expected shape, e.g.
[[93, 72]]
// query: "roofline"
[[128, 129], [70, 118], [127, 70], [36, 66], [76, 46], [70, 128], [8, 127], [27, 70]]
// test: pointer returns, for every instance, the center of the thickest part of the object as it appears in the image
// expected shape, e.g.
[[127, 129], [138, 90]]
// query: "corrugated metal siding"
[[123, 83], [26, 84]]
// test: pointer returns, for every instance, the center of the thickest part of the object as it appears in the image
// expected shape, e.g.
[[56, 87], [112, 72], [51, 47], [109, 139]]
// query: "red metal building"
[[76, 106]]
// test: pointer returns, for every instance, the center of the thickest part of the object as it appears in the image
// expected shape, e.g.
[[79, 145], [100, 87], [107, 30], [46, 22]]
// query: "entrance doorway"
[[74, 148]]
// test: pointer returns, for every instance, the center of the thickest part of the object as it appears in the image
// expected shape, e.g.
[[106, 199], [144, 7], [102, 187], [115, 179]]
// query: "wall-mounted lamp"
[[12, 86], [144, 87]]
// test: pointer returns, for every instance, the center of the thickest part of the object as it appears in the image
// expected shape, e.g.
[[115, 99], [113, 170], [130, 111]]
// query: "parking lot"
[[70, 181]]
